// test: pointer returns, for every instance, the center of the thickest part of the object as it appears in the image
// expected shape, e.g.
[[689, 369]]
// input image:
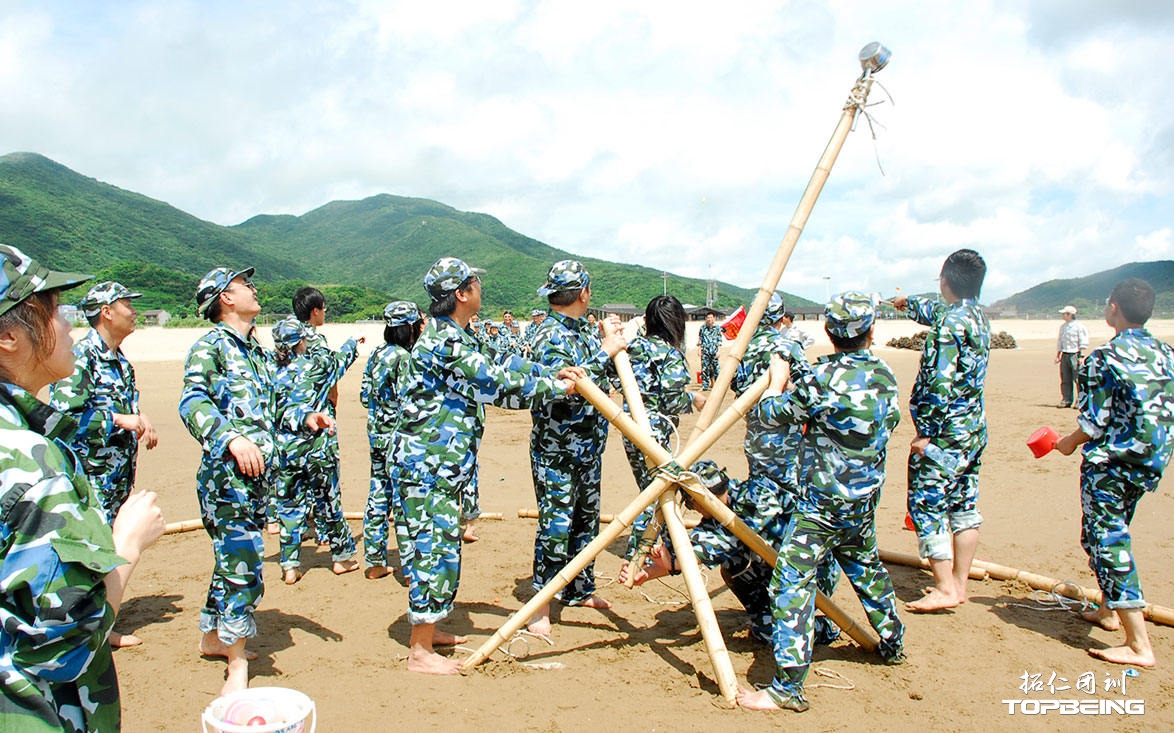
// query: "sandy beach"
[[642, 664]]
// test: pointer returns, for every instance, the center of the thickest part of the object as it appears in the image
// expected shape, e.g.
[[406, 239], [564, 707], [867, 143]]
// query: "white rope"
[[1053, 600]]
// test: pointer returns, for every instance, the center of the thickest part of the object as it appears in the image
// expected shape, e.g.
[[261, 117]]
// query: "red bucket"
[[1042, 441], [733, 323]]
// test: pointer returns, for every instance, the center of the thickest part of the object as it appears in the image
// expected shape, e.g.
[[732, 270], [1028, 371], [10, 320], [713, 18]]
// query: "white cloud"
[[1038, 140]]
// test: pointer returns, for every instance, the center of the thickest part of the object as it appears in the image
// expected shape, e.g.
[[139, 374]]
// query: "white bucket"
[[270, 710]]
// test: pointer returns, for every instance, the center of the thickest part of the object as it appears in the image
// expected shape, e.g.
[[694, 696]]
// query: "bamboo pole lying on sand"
[[186, 525], [983, 570]]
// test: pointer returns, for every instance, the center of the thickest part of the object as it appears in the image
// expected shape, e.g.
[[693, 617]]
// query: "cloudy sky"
[[678, 135]]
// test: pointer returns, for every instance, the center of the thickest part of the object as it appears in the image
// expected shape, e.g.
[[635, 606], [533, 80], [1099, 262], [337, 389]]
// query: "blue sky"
[[678, 135]]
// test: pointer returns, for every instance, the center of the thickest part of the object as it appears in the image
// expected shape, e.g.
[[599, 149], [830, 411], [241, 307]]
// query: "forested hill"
[[372, 250], [1088, 293]]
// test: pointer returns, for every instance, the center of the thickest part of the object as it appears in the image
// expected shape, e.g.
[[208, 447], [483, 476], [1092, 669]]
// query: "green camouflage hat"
[[401, 313], [22, 276], [565, 275], [215, 283], [775, 308], [105, 293], [288, 332], [849, 314], [447, 275]]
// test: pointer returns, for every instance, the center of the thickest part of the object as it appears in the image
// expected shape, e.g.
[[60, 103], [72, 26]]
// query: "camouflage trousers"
[[471, 497], [709, 369], [232, 510], [306, 477], [1108, 498], [112, 490], [377, 517], [567, 491], [942, 503], [773, 454], [852, 541], [428, 531]]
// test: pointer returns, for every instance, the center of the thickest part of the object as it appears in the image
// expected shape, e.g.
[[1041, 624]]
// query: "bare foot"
[[595, 602], [214, 647], [273, 528], [470, 535], [443, 638], [1103, 617], [237, 677], [540, 622], [755, 700], [346, 566], [291, 576], [121, 641], [934, 601], [376, 571], [432, 663], [1125, 655]]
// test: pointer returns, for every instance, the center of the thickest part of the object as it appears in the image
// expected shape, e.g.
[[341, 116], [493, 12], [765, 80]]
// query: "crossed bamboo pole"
[[706, 432]]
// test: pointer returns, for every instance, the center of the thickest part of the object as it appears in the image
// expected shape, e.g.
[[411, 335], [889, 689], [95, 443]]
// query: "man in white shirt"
[[1070, 347]]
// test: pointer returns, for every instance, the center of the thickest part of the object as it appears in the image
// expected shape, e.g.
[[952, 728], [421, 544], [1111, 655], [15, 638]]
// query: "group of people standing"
[[72, 528]]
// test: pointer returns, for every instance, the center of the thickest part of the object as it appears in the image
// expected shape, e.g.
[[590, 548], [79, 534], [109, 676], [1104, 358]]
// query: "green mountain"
[[1088, 293], [370, 251]]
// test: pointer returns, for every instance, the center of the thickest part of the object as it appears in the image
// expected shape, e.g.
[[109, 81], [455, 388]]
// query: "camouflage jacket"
[[947, 397], [662, 375], [55, 552], [569, 425], [320, 371], [101, 386], [850, 406], [709, 339], [441, 404], [756, 361], [1127, 401], [387, 371], [228, 391]]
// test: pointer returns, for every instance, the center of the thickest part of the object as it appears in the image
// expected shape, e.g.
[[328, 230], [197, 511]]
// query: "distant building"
[[156, 317], [73, 315]]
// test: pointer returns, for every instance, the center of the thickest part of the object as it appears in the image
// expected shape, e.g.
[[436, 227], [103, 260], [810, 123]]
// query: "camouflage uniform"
[[1126, 403], [102, 385], [228, 393], [774, 452], [566, 451], [56, 667], [849, 403], [433, 454], [662, 376], [947, 407], [388, 371], [329, 365], [709, 340], [308, 468]]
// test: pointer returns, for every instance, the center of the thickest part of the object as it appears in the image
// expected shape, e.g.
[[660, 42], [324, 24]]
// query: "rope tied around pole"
[[857, 104]]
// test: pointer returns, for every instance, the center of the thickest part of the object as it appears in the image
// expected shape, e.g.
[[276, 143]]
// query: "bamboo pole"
[[982, 570], [186, 525], [770, 281], [711, 634], [620, 521], [690, 523]]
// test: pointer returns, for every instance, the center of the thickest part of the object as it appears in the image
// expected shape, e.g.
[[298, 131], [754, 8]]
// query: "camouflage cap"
[[22, 276], [105, 293], [775, 308], [288, 332], [849, 314], [565, 275], [215, 283], [401, 313], [537, 312], [447, 275]]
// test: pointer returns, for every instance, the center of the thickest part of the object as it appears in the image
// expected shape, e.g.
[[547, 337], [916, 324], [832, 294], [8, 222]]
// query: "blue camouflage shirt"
[[947, 399], [709, 339], [440, 405], [662, 375], [1126, 401], [850, 405], [569, 425], [102, 385], [387, 370], [228, 391]]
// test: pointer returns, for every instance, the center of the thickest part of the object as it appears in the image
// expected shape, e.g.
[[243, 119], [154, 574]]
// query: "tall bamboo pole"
[[823, 169]]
